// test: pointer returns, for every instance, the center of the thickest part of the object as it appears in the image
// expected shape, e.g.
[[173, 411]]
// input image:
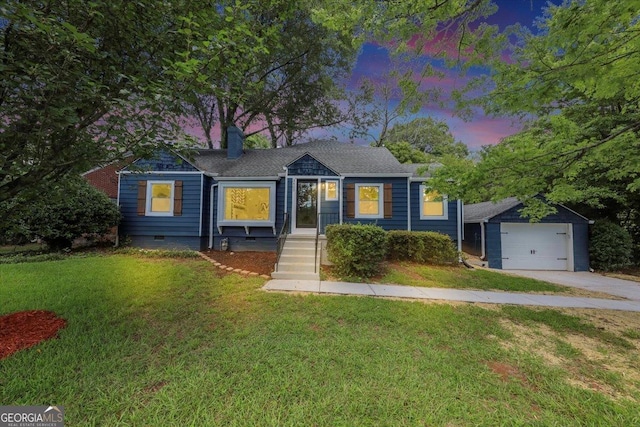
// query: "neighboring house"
[[105, 178], [242, 197], [499, 235]]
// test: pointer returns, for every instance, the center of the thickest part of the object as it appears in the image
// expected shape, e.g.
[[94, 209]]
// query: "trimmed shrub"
[[421, 246], [356, 250], [62, 213], [610, 246]]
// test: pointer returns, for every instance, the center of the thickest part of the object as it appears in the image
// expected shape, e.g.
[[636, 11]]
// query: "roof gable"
[[310, 166], [163, 162], [509, 210]]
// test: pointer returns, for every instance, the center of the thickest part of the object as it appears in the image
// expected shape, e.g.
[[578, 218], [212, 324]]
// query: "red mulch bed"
[[255, 262], [27, 328]]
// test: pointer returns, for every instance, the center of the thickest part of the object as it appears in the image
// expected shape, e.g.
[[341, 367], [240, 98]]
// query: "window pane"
[[332, 190], [432, 204], [368, 200], [160, 205], [160, 197], [161, 190], [246, 204]]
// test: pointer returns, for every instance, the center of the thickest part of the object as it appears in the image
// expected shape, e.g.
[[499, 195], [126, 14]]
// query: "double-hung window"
[[160, 196], [369, 201], [331, 190], [432, 204]]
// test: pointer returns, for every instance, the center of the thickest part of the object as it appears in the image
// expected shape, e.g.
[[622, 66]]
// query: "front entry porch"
[[299, 259]]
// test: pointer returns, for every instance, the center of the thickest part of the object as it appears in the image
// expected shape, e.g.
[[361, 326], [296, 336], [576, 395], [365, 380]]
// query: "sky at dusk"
[[373, 62]]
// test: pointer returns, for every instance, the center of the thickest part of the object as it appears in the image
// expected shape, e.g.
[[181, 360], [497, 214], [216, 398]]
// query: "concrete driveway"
[[584, 280]]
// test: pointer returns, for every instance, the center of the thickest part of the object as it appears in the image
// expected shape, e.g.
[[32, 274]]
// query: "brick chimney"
[[235, 142]]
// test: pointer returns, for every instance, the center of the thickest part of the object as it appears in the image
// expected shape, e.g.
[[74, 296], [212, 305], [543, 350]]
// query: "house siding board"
[[187, 224], [308, 166], [206, 205], [562, 216], [494, 245], [447, 226], [247, 243], [399, 190], [169, 242], [163, 162], [581, 247]]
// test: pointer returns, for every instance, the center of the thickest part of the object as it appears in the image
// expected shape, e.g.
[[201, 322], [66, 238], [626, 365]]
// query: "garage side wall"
[[581, 247], [494, 245]]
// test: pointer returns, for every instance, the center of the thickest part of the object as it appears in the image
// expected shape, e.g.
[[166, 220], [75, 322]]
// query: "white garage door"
[[535, 246]]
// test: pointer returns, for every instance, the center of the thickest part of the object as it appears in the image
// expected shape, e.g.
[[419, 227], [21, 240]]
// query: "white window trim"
[[326, 190], [149, 194], [380, 213], [445, 206], [270, 222]]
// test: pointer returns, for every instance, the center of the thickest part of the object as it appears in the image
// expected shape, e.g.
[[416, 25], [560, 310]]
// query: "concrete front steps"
[[297, 260]]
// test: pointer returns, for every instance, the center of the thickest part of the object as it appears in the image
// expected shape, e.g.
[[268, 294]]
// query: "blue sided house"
[[499, 235], [243, 199]]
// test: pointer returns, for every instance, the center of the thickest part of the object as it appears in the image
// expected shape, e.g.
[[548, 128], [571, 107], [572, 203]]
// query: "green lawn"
[[457, 277], [170, 342]]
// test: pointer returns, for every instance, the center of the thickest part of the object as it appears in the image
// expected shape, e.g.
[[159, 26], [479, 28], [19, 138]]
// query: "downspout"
[[409, 203], [341, 198], [461, 233], [286, 189], [458, 218], [211, 217], [482, 238], [201, 205], [117, 242]]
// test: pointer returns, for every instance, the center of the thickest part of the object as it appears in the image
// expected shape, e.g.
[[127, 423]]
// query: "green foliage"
[[610, 246], [405, 153], [83, 83], [421, 246], [572, 74], [428, 136], [279, 70], [63, 212], [356, 250], [257, 141]]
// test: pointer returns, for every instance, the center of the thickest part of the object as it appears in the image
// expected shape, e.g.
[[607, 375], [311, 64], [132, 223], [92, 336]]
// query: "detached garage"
[[499, 235]]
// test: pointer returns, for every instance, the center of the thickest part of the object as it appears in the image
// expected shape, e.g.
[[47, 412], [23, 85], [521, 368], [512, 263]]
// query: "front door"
[[306, 204]]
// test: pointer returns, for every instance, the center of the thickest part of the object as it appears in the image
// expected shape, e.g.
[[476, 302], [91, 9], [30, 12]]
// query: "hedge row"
[[358, 250], [421, 246]]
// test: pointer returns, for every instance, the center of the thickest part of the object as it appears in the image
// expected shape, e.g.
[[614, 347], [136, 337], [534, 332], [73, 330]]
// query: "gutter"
[[211, 217]]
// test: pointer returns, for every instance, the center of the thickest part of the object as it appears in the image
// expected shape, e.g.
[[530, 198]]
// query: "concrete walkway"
[[414, 292], [584, 280]]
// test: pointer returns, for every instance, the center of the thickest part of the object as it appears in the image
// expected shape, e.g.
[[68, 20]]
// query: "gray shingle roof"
[[340, 157], [479, 212]]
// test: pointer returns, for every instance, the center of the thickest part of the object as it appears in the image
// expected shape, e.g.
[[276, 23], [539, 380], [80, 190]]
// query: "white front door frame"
[[294, 198]]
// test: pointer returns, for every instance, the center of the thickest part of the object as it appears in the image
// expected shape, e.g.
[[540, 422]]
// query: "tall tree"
[[574, 74], [429, 136], [286, 88], [396, 94], [294, 84], [82, 83]]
